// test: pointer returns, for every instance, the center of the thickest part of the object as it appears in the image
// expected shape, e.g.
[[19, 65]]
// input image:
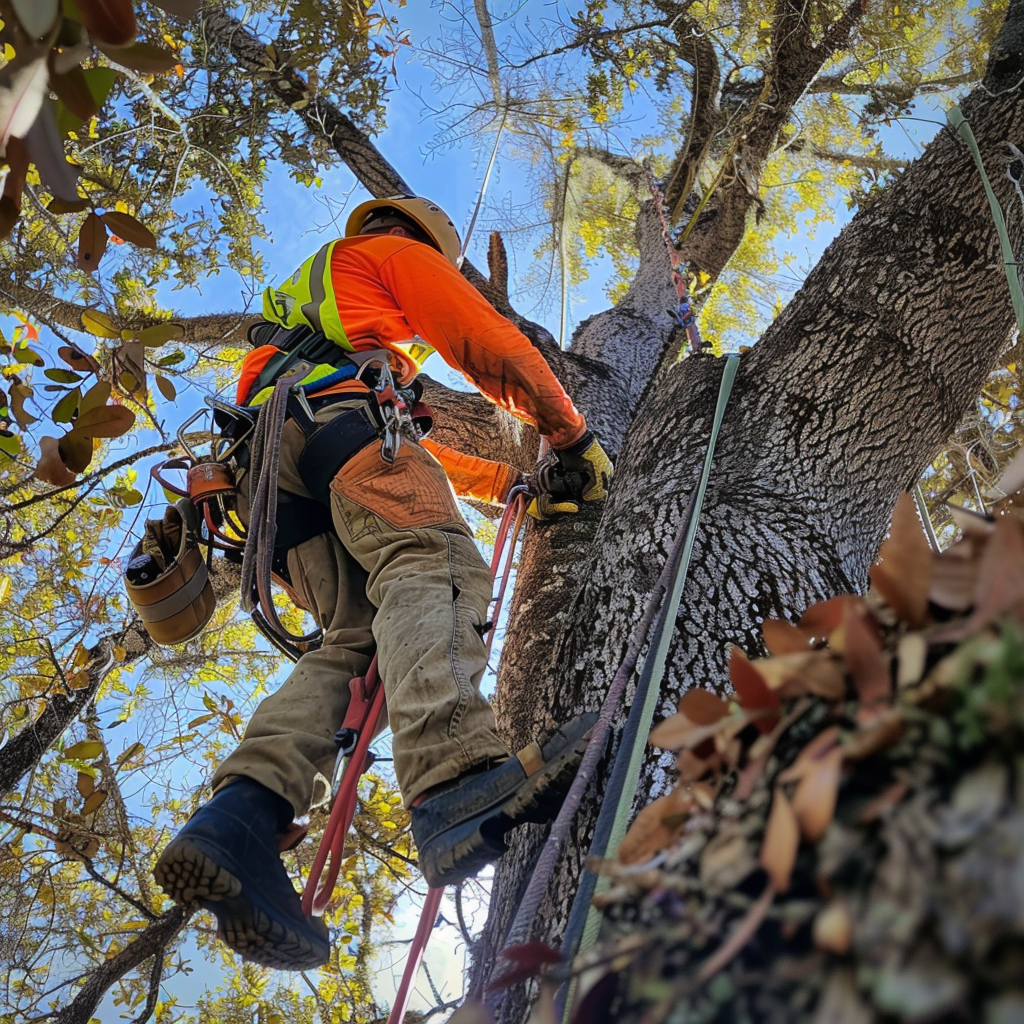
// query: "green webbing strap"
[[657, 658], [962, 127]]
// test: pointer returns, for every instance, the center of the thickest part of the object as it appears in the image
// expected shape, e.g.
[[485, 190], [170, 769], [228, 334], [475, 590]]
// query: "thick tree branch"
[[795, 62], [152, 941], [696, 48], [200, 332], [319, 115], [837, 85]]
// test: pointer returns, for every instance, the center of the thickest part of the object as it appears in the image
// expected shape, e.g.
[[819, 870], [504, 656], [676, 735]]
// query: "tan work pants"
[[401, 572]]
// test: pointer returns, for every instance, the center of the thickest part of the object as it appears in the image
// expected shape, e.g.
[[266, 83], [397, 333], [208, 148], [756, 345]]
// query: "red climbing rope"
[[365, 714]]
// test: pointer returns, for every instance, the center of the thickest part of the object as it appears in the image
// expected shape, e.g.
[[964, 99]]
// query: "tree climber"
[[398, 571]]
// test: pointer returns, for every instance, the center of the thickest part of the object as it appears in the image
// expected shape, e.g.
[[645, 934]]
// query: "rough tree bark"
[[839, 407]]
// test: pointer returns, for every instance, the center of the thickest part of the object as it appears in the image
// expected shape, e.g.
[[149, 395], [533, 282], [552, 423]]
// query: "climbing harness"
[[683, 313]]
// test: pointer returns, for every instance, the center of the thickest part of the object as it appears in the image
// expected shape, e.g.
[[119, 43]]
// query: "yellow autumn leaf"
[[99, 324], [84, 750]]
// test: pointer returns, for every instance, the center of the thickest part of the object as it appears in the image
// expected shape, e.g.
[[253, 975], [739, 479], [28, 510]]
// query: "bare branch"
[[152, 941]]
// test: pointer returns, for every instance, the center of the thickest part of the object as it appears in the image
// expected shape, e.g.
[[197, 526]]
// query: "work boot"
[[226, 860], [460, 826]]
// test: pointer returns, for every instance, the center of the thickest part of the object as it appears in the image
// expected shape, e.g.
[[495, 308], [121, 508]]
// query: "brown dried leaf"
[[822, 744], [954, 577], [78, 360], [125, 226], [879, 734], [814, 802], [691, 767], [833, 927], [94, 801], [821, 620], [14, 185], [85, 784], [1000, 584], [794, 675], [781, 840], [677, 732], [903, 574], [870, 669], [18, 394], [109, 21], [752, 692], [657, 825], [95, 397], [703, 707], [51, 468], [92, 241], [783, 638], [72, 89]]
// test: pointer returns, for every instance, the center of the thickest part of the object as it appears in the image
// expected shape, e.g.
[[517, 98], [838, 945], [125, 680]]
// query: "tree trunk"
[[845, 399]]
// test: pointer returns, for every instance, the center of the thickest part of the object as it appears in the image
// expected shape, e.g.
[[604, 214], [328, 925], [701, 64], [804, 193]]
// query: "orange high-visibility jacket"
[[390, 289]]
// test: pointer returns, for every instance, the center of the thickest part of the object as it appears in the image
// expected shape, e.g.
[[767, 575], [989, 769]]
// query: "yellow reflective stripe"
[[316, 287], [317, 373], [417, 351]]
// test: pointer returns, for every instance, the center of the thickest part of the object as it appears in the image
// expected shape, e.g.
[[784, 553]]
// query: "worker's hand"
[[587, 459], [565, 478], [544, 506]]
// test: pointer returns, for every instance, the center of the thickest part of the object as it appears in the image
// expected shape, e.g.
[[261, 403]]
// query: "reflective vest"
[[308, 298]]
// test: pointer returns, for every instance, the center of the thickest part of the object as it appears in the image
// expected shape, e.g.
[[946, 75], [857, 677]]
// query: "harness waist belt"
[[330, 445]]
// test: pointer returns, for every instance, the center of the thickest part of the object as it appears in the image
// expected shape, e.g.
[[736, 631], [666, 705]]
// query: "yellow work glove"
[[567, 477]]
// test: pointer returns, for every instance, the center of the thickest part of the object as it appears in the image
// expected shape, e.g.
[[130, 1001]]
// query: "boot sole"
[[461, 851], [191, 876]]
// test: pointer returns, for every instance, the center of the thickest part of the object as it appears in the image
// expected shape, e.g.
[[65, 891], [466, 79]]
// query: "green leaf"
[[64, 410], [105, 421], [171, 360], [85, 750], [160, 334], [24, 354], [62, 376], [10, 444]]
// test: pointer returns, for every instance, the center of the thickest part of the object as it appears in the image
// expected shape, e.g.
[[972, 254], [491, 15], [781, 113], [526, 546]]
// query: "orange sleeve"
[[452, 316], [473, 477]]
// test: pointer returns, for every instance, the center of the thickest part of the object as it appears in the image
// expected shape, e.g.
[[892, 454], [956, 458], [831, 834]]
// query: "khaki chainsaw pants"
[[401, 573]]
